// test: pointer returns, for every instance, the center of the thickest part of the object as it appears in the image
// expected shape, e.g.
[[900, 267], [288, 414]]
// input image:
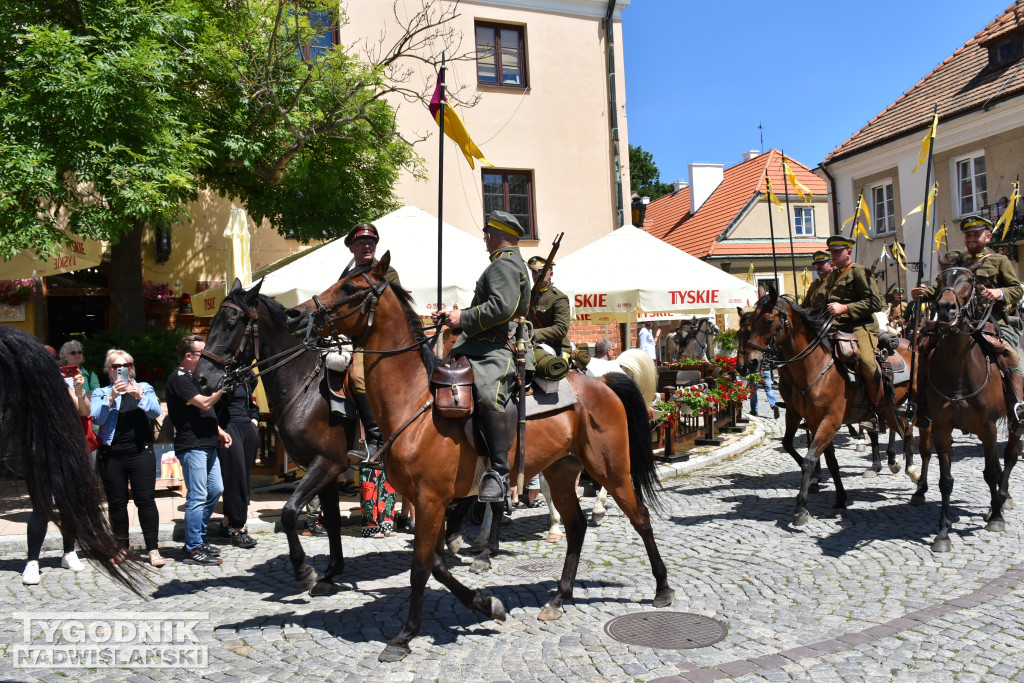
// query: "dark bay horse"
[[432, 461], [40, 424], [962, 387], [311, 436], [818, 390]]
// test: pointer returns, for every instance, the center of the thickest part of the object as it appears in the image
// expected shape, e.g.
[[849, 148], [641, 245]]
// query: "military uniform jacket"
[[995, 272], [551, 325], [502, 292], [853, 286], [391, 275], [812, 290]]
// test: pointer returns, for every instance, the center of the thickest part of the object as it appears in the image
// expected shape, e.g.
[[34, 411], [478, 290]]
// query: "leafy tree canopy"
[[644, 175]]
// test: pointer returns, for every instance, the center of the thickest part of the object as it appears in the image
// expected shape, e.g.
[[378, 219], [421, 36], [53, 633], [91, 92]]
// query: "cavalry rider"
[[488, 328], [822, 263], [362, 242], [897, 309], [1000, 285], [850, 294], [551, 322]]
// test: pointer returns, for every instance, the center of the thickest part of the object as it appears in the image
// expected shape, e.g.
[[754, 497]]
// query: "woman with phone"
[[71, 354], [124, 412]]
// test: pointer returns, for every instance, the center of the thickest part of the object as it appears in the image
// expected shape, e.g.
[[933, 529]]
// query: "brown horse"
[[789, 336], [431, 460], [311, 436], [962, 387]]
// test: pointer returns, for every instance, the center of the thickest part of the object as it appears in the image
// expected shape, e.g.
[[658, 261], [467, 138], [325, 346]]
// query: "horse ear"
[[382, 265], [739, 311], [773, 295], [237, 284], [254, 290]]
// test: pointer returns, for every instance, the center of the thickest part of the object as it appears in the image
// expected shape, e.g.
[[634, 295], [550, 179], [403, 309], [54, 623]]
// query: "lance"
[[771, 229], [789, 222], [440, 187], [853, 228]]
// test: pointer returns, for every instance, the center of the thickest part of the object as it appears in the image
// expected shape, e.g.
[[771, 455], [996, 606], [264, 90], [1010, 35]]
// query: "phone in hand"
[[124, 374], [69, 372]]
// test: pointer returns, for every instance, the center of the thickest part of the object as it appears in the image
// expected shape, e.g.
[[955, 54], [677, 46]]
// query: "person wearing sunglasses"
[[71, 353], [124, 412]]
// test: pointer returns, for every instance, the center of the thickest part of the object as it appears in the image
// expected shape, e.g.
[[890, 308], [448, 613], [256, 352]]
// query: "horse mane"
[[638, 365], [426, 352], [814, 320]]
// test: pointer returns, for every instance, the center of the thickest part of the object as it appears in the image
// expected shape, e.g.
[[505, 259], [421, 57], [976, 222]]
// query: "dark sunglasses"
[[73, 353], [122, 365]]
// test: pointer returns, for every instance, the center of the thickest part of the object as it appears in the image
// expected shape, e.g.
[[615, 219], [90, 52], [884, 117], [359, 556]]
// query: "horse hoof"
[[802, 518], [495, 608], [1008, 503], [917, 499], [481, 565], [307, 577], [941, 545], [869, 474], [914, 474], [597, 520], [322, 588], [895, 468], [664, 599], [553, 538], [394, 653], [454, 545], [550, 613], [997, 525]]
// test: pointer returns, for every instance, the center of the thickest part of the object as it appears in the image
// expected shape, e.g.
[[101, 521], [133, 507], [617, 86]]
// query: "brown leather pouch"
[[846, 348], [452, 385]]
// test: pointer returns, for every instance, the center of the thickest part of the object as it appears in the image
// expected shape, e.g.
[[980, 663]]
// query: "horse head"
[[760, 333], [231, 344], [346, 307], [956, 290]]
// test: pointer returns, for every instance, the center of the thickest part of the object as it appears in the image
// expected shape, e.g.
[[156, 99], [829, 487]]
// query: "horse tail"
[[38, 418], [638, 365], [642, 468]]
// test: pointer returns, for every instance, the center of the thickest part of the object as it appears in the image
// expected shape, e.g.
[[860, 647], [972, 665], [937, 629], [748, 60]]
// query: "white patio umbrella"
[[238, 265]]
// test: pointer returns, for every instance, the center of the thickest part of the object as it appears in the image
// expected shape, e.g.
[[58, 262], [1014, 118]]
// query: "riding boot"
[[499, 432], [1009, 364], [874, 390], [370, 457]]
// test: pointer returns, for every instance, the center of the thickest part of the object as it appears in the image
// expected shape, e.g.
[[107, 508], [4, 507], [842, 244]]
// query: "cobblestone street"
[[860, 597]]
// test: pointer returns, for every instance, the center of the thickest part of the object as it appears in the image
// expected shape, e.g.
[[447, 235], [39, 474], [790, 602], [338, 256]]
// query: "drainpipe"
[[832, 192], [613, 119]]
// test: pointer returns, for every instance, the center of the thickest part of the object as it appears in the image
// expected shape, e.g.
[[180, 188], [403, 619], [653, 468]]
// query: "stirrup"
[[907, 411], [367, 457], [497, 492]]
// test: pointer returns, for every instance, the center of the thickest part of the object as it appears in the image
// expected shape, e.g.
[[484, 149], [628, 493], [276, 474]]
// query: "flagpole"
[[789, 222], [771, 229], [856, 222], [440, 185]]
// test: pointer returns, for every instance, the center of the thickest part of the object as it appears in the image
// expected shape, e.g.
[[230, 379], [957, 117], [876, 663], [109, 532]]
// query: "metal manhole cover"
[[548, 566], [666, 630]]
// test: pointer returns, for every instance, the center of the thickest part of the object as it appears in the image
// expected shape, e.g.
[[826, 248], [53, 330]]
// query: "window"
[[883, 209], [769, 280], [971, 187], [326, 35], [500, 55], [511, 191], [803, 220]]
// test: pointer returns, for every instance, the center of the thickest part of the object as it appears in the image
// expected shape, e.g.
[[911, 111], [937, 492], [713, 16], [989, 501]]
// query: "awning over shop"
[[79, 254]]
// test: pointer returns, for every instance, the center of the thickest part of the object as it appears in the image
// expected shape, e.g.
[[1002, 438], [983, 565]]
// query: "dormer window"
[[1005, 50]]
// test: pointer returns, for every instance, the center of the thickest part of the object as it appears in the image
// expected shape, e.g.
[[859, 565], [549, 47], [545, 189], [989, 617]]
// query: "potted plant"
[[15, 292]]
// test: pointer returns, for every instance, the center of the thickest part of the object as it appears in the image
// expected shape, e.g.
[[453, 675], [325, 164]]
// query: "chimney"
[[751, 154], [704, 178], [678, 186]]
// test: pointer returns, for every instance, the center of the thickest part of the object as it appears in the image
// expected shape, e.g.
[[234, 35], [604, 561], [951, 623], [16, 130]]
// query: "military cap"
[[839, 242], [537, 262], [362, 230], [821, 257], [506, 222], [973, 223]]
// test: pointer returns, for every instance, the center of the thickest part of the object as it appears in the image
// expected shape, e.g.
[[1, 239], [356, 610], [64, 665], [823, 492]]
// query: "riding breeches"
[[866, 342], [356, 379], [1011, 337]]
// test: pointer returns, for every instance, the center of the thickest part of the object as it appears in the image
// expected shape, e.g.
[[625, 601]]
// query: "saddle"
[[452, 386]]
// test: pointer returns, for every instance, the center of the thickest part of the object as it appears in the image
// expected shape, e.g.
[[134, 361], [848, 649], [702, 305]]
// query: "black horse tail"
[[642, 468], [38, 419]]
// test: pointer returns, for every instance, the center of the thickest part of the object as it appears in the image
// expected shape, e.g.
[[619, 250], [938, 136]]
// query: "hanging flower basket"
[[15, 292]]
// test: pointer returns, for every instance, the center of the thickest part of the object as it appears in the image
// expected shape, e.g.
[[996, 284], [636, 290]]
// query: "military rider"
[[1001, 285], [488, 326], [897, 309], [551, 322], [822, 263], [850, 294], [362, 242]]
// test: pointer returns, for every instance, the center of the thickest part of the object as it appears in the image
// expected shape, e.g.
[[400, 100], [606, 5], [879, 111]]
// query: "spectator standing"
[[648, 340], [196, 437], [240, 417], [71, 353], [766, 384], [125, 411]]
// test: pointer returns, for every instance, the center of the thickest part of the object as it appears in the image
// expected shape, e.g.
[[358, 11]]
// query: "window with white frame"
[[803, 220], [768, 280], [883, 209], [971, 189]]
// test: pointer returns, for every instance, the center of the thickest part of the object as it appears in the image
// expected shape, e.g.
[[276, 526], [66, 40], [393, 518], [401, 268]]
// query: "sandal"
[[155, 559]]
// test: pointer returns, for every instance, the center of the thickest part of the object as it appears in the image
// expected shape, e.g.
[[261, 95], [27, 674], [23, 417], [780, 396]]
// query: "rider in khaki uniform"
[[999, 278], [851, 296], [502, 293], [814, 298], [551, 323]]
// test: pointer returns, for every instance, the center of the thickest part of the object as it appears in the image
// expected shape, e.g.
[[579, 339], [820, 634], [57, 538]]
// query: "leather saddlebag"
[[452, 385], [846, 348]]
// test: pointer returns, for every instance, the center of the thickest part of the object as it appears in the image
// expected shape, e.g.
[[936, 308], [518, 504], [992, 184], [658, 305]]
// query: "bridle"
[[771, 352], [696, 330], [968, 319]]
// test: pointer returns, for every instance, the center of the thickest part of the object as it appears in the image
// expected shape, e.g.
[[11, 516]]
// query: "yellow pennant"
[[920, 207], [797, 185], [771, 195], [899, 254], [1007, 216], [859, 227], [940, 237], [805, 278], [750, 275], [926, 144]]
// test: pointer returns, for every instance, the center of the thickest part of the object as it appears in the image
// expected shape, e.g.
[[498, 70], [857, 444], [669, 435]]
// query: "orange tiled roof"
[[669, 218], [962, 83]]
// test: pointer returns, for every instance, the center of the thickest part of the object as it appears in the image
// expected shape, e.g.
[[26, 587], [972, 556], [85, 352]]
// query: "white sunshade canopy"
[[630, 274]]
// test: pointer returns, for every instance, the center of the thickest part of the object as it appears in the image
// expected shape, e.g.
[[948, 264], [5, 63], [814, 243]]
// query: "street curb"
[[171, 532]]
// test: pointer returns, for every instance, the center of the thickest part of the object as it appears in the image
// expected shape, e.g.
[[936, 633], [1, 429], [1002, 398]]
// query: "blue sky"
[[701, 76]]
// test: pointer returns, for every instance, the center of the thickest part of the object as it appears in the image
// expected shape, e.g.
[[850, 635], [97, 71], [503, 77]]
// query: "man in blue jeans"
[[766, 384], [196, 437]]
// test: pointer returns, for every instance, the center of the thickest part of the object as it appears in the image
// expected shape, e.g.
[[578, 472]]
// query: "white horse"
[[698, 339]]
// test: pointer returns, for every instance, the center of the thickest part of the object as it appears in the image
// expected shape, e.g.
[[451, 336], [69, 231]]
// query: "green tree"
[[644, 175], [115, 113]]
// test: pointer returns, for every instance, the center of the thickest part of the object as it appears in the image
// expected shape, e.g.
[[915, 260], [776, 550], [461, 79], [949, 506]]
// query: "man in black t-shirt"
[[196, 437]]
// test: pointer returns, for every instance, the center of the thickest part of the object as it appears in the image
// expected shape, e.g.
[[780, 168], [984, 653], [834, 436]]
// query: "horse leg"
[[332, 522], [488, 539], [599, 511], [562, 481], [800, 514], [920, 477], [1010, 456], [876, 458], [994, 479], [788, 441], [890, 450], [319, 473], [839, 505], [453, 525], [555, 531], [944, 449], [473, 599], [486, 524]]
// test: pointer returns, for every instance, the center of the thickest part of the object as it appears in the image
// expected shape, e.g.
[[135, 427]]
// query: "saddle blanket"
[[541, 404]]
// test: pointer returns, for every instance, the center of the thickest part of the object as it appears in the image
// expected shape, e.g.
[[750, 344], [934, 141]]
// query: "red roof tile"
[[964, 82], [669, 218]]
